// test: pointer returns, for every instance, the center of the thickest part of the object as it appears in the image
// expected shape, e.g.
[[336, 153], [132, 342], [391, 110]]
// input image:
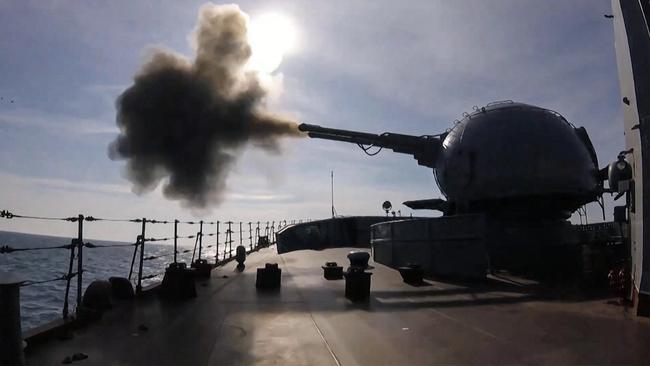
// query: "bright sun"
[[270, 37]]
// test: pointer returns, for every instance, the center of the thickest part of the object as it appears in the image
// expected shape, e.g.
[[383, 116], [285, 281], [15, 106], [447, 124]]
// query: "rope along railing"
[[254, 234], [7, 249], [95, 246], [64, 277]]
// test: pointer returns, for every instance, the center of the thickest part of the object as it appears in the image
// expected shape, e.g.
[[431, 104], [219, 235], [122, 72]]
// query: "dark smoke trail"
[[187, 122]]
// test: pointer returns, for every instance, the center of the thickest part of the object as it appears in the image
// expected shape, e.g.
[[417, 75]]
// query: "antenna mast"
[[332, 190]]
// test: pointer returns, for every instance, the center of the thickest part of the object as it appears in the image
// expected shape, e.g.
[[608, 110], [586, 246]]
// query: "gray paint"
[[632, 41], [505, 158], [517, 151], [309, 322], [438, 245], [336, 232]]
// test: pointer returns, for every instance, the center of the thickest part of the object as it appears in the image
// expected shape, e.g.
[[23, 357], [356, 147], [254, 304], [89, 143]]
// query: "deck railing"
[[226, 233]]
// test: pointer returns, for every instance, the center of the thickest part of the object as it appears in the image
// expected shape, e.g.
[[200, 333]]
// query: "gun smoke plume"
[[186, 122]]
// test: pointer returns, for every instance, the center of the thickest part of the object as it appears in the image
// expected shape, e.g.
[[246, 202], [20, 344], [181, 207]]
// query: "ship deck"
[[309, 322]]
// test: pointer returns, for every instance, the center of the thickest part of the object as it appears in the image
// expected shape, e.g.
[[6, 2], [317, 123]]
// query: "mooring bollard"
[[332, 271], [11, 337], [357, 284], [269, 277]]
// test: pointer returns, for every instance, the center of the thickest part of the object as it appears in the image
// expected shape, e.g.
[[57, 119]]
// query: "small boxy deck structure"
[[309, 322]]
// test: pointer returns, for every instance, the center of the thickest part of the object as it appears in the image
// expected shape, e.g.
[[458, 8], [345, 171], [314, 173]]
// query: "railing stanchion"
[[240, 234], [226, 240], [175, 240], [142, 240], [80, 259], [230, 239], [216, 257], [136, 246], [67, 283], [200, 234], [250, 234]]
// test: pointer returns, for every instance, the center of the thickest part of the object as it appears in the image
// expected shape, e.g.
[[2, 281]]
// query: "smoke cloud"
[[185, 122]]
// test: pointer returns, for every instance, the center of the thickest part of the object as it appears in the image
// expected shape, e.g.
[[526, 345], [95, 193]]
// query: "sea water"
[[41, 303]]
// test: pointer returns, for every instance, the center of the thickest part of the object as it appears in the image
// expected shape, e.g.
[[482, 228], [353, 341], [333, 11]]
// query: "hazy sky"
[[410, 67]]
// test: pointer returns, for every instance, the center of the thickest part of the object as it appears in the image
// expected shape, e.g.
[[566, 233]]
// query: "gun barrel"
[[350, 139], [424, 148], [336, 134]]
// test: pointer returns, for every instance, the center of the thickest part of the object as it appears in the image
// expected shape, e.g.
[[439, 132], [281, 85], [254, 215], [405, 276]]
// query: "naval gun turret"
[[506, 158], [511, 175]]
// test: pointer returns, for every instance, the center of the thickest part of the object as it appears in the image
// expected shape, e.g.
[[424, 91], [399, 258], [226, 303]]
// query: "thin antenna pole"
[[332, 190]]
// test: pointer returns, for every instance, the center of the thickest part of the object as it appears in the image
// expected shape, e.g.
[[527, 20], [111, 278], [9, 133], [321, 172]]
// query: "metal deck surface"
[[309, 322]]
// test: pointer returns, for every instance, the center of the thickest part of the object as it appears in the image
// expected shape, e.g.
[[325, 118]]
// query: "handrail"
[[223, 251]]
